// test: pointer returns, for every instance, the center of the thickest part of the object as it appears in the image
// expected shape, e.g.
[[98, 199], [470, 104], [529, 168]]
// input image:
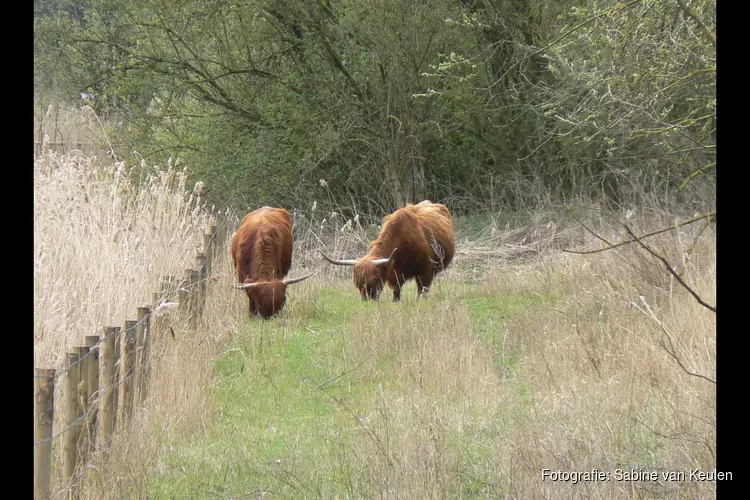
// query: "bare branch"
[[671, 349], [636, 238], [691, 248], [694, 15], [609, 245], [694, 175], [679, 362], [670, 269]]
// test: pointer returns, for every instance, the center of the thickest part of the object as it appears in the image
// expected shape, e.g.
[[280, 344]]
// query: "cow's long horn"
[[348, 262], [379, 262], [296, 280], [245, 286]]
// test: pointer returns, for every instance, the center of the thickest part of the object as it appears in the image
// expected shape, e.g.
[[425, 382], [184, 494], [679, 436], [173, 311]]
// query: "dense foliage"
[[474, 103]]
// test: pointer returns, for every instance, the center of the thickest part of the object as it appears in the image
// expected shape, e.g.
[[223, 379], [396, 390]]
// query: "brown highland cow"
[[262, 256], [416, 241]]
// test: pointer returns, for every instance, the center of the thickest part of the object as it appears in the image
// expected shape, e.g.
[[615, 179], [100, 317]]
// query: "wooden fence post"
[[85, 400], [92, 388], [127, 371], [185, 290], [141, 354], [213, 229], [208, 250], [200, 292], [106, 385], [73, 412], [200, 261], [117, 379], [221, 231], [44, 398], [193, 294]]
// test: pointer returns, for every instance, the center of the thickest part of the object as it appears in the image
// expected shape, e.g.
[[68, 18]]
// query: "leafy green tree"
[[393, 101]]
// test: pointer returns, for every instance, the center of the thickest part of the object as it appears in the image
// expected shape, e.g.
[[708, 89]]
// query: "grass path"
[[331, 400]]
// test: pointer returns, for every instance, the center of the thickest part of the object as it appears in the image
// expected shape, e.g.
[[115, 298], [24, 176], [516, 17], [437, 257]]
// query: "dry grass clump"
[[69, 130], [430, 346]]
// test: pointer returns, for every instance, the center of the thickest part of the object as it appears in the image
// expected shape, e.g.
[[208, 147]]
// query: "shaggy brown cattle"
[[416, 241], [262, 255]]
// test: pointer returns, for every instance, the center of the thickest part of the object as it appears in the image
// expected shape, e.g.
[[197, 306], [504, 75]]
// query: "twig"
[[694, 15], [670, 269], [345, 373], [671, 351], [679, 362], [691, 248], [694, 175], [610, 245], [636, 238]]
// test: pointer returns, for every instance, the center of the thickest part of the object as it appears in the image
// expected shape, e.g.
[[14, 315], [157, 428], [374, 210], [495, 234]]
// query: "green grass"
[[464, 395], [284, 422]]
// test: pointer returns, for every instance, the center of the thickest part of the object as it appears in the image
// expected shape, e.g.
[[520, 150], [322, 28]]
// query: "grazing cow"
[[416, 241], [262, 256]]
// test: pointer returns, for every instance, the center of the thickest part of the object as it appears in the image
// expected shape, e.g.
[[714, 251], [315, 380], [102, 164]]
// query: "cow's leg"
[[253, 308], [424, 280], [396, 283]]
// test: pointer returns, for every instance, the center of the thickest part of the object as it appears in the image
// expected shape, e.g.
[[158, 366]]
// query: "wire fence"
[[95, 347], [105, 381]]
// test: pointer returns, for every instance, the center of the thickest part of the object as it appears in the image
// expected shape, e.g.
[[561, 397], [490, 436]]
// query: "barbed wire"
[[93, 406], [154, 307], [95, 347], [60, 433]]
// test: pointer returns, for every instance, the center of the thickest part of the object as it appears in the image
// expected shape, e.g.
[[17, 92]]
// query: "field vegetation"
[[574, 142], [525, 357]]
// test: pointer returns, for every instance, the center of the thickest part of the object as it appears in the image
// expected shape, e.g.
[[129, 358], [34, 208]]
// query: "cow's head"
[[267, 298], [369, 274]]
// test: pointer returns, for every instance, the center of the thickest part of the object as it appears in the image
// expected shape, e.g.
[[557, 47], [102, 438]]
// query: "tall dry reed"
[[105, 233]]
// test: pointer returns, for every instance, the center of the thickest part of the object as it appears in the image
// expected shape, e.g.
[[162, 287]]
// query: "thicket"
[[485, 104]]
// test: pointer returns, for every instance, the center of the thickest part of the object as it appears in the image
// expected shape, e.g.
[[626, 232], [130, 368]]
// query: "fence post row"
[[109, 376]]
